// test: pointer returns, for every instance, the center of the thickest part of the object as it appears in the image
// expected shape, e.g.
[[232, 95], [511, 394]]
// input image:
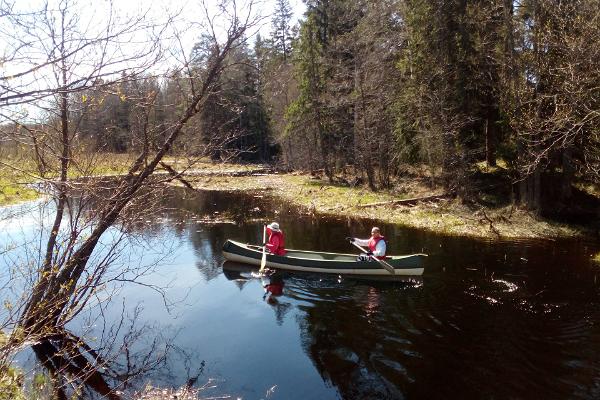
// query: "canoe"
[[330, 263]]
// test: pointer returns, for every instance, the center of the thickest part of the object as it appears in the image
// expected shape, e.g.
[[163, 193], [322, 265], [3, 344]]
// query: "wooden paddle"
[[384, 264], [263, 260]]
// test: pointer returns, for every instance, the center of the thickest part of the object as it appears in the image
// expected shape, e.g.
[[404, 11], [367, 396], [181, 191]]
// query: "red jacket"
[[276, 244], [373, 244], [275, 288]]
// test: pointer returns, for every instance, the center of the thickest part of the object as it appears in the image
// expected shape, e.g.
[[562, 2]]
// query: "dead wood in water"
[[404, 201], [176, 175], [62, 357]]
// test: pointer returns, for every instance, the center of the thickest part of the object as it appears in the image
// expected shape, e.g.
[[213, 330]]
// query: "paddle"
[[263, 260], [384, 264]]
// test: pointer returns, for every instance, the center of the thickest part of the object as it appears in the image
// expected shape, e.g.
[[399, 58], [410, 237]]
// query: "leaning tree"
[[61, 62]]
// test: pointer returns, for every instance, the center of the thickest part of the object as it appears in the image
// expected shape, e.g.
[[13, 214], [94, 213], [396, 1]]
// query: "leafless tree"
[[54, 55], [555, 98]]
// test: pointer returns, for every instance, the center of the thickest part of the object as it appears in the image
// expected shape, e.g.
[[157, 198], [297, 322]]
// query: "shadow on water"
[[488, 319], [504, 319]]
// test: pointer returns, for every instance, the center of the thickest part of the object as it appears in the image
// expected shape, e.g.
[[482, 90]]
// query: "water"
[[509, 319]]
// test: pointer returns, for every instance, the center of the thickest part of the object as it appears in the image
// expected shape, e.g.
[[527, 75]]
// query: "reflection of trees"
[[123, 359], [344, 340], [218, 205], [280, 308], [207, 242]]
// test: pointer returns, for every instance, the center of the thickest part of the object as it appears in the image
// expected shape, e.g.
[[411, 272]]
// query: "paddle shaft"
[[263, 260], [385, 265]]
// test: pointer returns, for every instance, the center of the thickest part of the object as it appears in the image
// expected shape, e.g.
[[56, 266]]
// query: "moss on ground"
[[446, 216], [320, 196]]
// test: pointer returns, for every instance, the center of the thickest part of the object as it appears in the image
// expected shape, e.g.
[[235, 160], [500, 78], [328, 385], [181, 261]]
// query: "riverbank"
[[411, 204]]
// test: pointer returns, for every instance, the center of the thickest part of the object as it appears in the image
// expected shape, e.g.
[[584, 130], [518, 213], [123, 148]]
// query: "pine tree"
[[281, 29]]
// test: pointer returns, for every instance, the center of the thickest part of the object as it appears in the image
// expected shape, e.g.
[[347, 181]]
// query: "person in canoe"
[[276, 242], [376, 245]]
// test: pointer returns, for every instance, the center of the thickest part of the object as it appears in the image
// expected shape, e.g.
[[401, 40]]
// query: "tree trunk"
[[63, 361], [360, 115], [491, 135], [530, 190], [568, 172]]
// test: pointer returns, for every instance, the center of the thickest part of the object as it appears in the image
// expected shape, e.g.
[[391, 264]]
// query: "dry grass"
[[318, 196], [589, 188], [18, 171], [447, 217]]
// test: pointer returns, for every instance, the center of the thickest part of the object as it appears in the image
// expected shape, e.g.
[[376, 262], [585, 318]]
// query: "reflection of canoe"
[[333, 263]]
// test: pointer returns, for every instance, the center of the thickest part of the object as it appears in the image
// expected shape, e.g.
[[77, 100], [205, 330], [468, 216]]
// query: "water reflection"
[[488, 319], [509, 319]]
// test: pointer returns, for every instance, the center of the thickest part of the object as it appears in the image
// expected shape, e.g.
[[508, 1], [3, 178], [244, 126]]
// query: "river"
[[487, 320]]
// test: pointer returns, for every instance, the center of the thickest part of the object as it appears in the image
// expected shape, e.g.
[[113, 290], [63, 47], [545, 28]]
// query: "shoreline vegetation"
[[411, 202], [435, 213]]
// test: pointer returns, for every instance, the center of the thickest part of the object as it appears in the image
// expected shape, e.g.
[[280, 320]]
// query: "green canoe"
[[331, 263]]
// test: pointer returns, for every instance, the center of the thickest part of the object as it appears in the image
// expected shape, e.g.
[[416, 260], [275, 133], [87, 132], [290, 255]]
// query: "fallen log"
[[250, 172], [404, 201]]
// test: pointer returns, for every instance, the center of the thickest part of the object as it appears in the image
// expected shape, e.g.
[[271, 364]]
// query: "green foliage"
[[235, 114], [11, 381], [281, 29], [11, 193], [304, 114], [375, 84]]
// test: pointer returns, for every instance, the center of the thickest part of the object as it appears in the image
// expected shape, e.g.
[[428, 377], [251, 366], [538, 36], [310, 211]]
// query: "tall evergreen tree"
[[432, 107], [305, 120], [235, 115], [281, 33], [555, 93]]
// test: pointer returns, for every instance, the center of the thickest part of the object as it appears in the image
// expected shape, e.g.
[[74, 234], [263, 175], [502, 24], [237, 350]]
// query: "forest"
[[480, 96], [379, 88]]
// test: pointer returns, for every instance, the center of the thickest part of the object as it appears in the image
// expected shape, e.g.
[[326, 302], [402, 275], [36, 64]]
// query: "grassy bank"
[[12, 191], [443, 216], [17, 173], [316, 196], [15, 182]]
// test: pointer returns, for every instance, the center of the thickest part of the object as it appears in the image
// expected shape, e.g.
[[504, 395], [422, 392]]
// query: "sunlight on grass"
[[589, 188], [11, 192], [483, 167], [20, 170]]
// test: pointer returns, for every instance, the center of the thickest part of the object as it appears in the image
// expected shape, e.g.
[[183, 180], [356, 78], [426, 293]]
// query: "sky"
[[188, 14], [90, 18], [191, 10]]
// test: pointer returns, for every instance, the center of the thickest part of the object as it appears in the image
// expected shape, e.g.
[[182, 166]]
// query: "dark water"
[[488, 320]]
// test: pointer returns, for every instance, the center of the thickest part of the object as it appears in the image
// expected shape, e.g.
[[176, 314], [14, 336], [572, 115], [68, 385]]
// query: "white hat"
[[274, 226]]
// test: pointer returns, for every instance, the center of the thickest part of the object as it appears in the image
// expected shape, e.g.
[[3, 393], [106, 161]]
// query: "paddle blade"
[[387, 266], [263, 260]]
